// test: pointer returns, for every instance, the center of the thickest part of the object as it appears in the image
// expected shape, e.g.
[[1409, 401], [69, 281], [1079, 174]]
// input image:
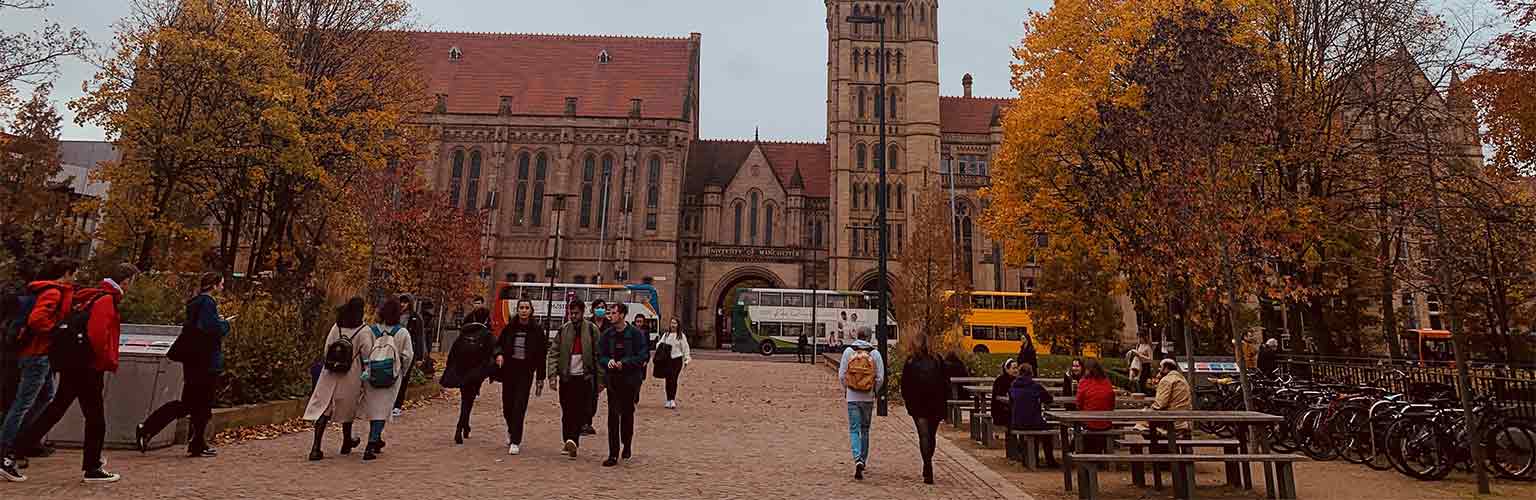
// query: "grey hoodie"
[[842, 372]]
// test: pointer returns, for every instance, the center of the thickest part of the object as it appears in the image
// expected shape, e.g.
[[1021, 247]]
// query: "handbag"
[[661, 362], [186, 345]]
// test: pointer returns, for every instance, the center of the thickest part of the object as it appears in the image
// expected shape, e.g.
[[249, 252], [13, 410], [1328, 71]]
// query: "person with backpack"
[[340, 387], [862, 372], [622, 352], [469, 363], [45, 305], [672, 354], [81, 358], [925, 389], [521, 352], [571, 364], [387, 354], [200, 350]]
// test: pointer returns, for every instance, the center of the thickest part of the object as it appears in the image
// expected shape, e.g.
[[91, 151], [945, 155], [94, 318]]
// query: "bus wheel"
[[766, 348], [981, 349]]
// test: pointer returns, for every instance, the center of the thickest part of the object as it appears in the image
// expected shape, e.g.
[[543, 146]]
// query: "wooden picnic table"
[[1072, 422]]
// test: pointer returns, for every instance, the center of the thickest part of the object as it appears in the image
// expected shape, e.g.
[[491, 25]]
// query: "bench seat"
[[1184, 470]]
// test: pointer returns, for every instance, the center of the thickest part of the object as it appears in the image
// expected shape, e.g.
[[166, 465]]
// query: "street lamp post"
[[556, 211], [882, 333]]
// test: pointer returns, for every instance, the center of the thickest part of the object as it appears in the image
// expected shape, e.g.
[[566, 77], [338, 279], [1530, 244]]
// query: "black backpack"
[[15, 307], [340, 354], [70, 340]]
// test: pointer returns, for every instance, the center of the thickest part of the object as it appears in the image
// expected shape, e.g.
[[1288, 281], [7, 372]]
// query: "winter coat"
[[54, 299], [338, 394], [1027, 353], [558, 360], [630, 348], [1029, 400], [1002, 412], [1096, 394], [924, 387], [469, 363], [377, 402], [535, 349], [105, 326], [203, 319]]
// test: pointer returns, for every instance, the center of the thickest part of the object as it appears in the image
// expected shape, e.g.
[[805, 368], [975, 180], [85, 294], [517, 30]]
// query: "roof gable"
[[970, 115]]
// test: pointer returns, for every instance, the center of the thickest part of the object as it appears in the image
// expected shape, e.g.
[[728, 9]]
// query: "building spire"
[[756, 134]]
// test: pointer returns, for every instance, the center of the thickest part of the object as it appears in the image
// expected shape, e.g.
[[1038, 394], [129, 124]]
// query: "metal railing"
[[1513, 386]]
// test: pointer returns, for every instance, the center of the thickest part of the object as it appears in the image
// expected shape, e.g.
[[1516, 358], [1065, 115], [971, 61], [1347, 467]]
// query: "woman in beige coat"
[[378, 402], [337, 393]]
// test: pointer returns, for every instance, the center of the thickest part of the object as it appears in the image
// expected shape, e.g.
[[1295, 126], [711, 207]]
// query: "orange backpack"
[[861, 371]]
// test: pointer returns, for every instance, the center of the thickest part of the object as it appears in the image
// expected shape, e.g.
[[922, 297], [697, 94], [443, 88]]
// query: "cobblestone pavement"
[[746, 429]]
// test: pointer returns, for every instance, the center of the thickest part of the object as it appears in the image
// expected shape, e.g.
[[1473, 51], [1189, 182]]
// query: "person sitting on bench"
[[1173, 394], [1029, 399]]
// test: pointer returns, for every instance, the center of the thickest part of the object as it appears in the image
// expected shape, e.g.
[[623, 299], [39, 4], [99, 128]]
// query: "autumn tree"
[[930, 292], [35, 217], [1074, 303], [32, 58], [1505, 91]]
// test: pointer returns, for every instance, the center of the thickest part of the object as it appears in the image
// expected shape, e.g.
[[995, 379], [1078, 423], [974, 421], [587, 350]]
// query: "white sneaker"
[[570, 449], [395, 413], [513, 449], [669, 404]]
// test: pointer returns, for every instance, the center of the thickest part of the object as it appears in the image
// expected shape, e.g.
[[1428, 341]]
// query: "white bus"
[[549, 301], [769, 320]]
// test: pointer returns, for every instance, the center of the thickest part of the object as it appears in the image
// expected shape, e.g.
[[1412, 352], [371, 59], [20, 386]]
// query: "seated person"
[[1029, 399], [1095, 393], [1173, 394], [1001, 412]]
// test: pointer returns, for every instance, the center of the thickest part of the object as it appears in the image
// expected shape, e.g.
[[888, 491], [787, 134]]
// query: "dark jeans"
[[927, 438], [84, 385], [672, 377], [621, 414], [34, 390], [467, 395], [197, 397], [514, 402], [591, 402], [400, 398], [575, 398]]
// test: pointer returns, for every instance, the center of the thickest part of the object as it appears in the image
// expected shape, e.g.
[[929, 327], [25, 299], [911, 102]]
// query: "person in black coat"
[[200, 350], [1002, 412], [520, 353], [469, 363], [1027, 354], [411, 320], [924, 389], [623, 351]]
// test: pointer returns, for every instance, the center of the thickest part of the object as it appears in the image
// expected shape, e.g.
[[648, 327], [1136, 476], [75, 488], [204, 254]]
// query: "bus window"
[[600, 294], [1013, 303], [837, 301], [534, 293], [1012, 333], [577, 293], [965, 331], [794, 299], [821, 331], [856, 302], [771, 299], [768, 329], [982, 333], [793, 330]]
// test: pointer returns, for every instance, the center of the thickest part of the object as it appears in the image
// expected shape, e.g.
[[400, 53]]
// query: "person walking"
[[82, 379], [573, 374], [622, 352], [673, 355], [1141, 362], [340, 386], [599, 319], [469, 363], [34, 391], [521, 355], [1027, 353], [387, 356], [801, 353], [645, 329], [1095, 393], [924, 389], [200, 350], [861, 371], [411, 322], [1029, 400]]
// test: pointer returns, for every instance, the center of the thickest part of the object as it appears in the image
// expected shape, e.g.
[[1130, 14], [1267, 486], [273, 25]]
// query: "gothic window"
[[737, 238], [752, 219], [603, 190], [652, 192], [866, 196], [868, 58], [892, 106], [588, 175], [861, 103], [455, 183], [901, 56], [472, 188], [900, 235], [521, 198], [768, 225], [898, 20], [818, 238], [540, 173], [963, 219], [856, 242], [859, 152], [901, 193], [856, 26], [891, 163]]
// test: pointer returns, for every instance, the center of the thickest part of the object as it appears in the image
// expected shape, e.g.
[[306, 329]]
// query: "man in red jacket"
[[35, 388], [85, 384]]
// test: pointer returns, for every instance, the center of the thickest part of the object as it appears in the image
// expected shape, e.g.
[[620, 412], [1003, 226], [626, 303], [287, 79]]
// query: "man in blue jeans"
[[861, 403], [35, 389]]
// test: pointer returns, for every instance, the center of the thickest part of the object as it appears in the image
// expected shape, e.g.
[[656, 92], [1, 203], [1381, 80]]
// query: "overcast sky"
[[764, 62]]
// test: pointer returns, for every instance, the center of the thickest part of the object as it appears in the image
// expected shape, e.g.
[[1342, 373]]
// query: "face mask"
[[600, 312]]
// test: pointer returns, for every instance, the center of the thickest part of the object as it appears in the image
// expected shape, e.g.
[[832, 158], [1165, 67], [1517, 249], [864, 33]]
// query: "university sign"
[[758, 254]]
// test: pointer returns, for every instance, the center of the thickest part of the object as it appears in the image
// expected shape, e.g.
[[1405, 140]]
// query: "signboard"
[[1211, 366]]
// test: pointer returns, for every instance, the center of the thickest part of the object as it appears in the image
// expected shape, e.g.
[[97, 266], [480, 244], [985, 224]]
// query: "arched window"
[[540, 173], [869, 60], [892, 106], [605, 180], [963, 237], [898, 20], [856, 240], [901, 56], [588, 175], [859, 152], [867, 195], [456, 182], [752, 219], [768, 225], [521, 198], [472, 189], [861, 103], [853, 194], [901, 195], [652, 192], [856, 26], [737, 232], [892, 164]]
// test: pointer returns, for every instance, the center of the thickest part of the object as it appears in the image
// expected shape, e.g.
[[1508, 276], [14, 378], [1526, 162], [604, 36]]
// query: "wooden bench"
[[1028, 443], [1183, 470], [954, 406], [975, 419], [1139, 445]]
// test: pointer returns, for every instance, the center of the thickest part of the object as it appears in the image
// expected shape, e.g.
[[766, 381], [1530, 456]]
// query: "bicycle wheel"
[[1318, 443], [1349, 430], [1415, 449], [1510, 451]]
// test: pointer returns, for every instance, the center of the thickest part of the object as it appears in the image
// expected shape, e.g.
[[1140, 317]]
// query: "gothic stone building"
[[612, 124]]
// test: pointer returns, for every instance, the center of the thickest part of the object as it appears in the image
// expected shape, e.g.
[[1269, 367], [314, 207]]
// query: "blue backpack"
[[13, 323], [379, 367]]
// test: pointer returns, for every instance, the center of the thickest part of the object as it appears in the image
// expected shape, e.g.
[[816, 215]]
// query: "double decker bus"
[[997, 322], [549, 301], [770, 320]]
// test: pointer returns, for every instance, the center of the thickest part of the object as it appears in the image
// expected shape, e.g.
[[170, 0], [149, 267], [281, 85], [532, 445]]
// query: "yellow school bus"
[[998, 321]]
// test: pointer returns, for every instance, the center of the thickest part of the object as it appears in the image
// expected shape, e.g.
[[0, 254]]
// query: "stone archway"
[[723, 293]]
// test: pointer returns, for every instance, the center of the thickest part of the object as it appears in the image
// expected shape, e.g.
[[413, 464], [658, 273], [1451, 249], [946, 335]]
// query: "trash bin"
[[145, 379]]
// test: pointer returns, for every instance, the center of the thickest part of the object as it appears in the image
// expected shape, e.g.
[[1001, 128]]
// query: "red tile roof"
[[714, 163], [540, 71], [813, 159], [969, 115]]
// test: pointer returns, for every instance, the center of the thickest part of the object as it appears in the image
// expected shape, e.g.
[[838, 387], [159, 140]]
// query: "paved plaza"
[[746, 429]]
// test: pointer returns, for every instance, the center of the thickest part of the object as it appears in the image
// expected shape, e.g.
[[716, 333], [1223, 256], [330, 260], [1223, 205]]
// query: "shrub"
[[268, 353]]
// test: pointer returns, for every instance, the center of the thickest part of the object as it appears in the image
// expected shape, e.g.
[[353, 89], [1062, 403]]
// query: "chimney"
[[570, 106], [966, 82], [442, 104], [634, 108], [505, 108]]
